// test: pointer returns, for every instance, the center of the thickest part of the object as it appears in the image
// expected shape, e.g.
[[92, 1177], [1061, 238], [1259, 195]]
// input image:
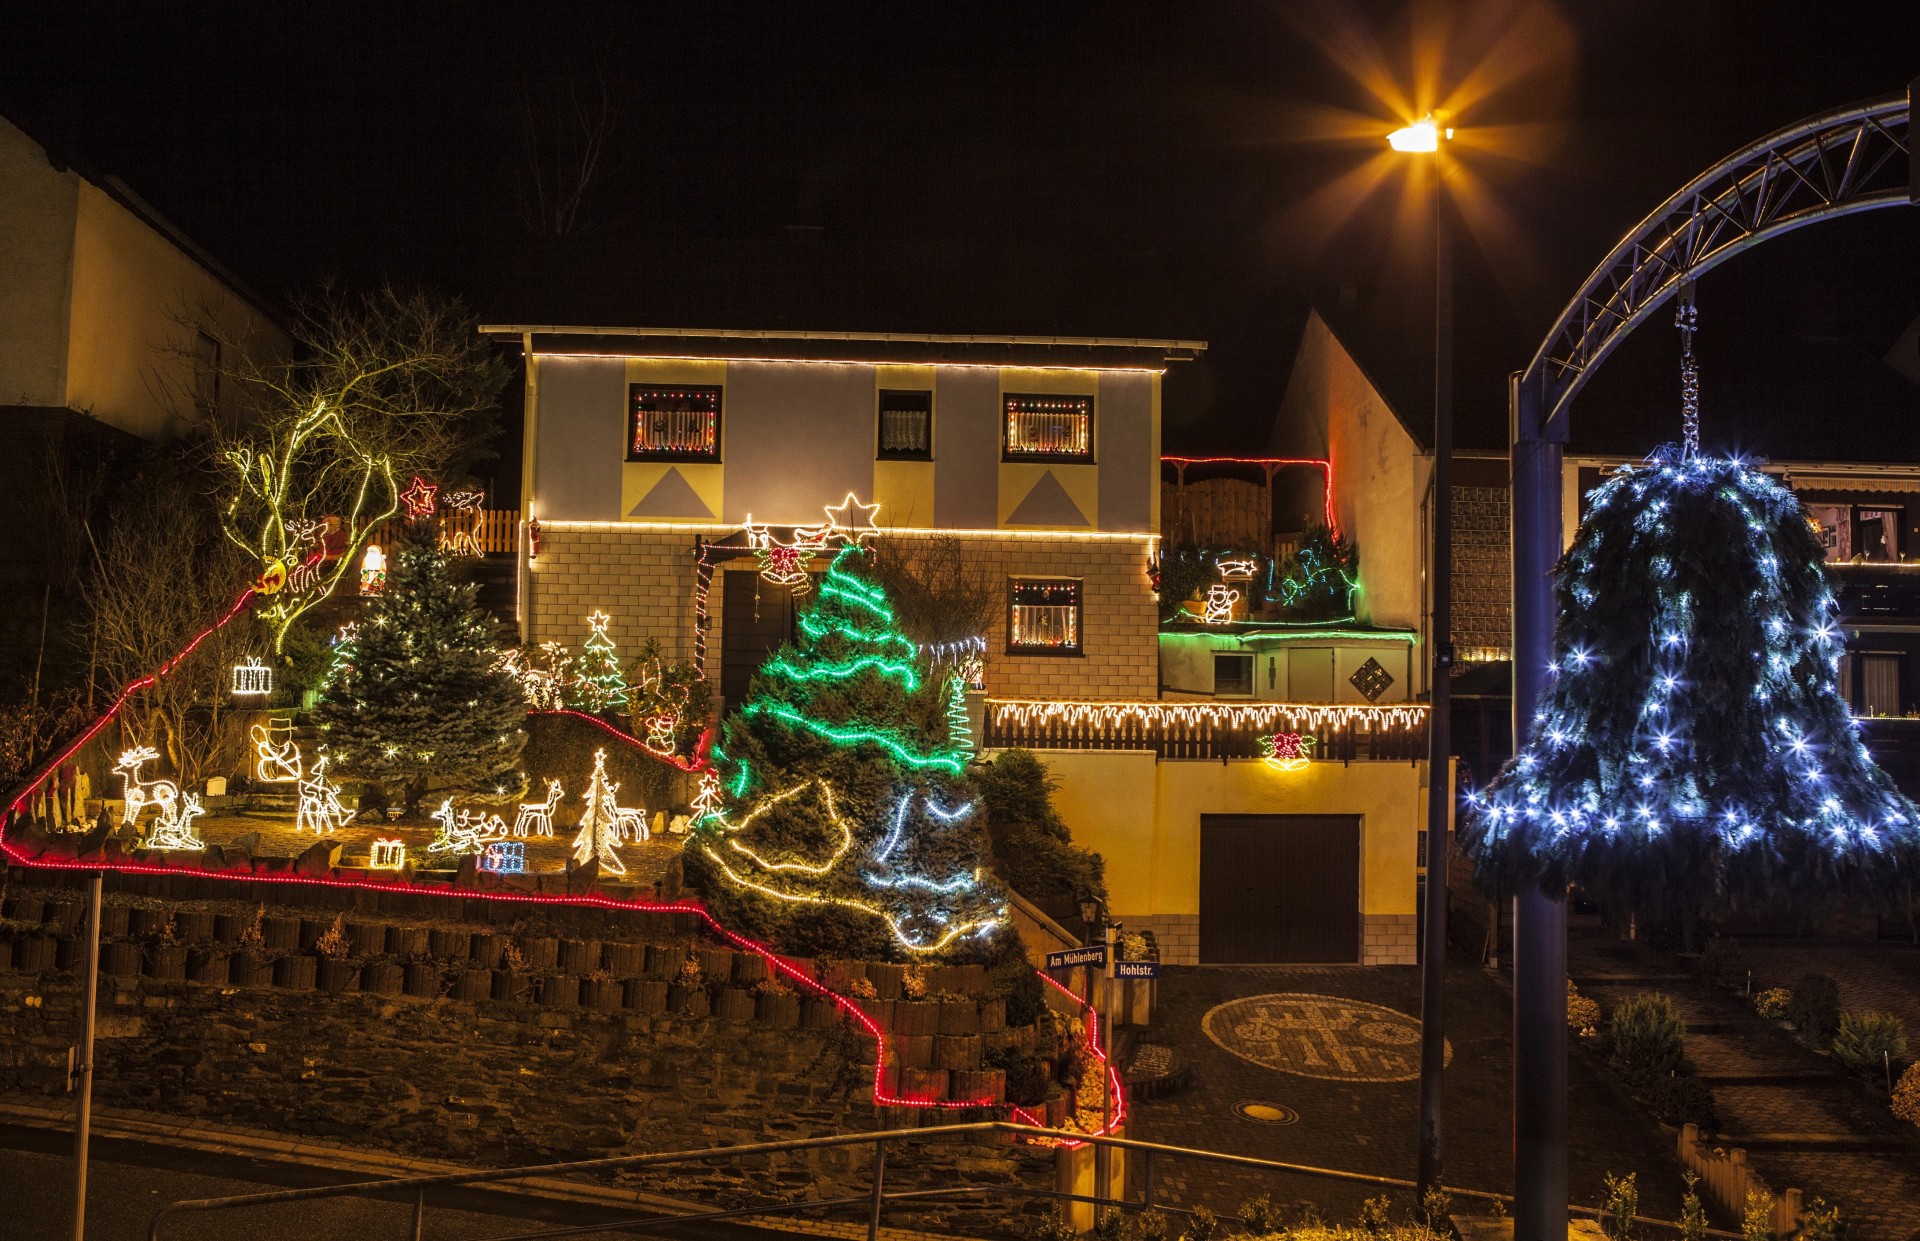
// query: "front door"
[[756, 617], [1279, 888]]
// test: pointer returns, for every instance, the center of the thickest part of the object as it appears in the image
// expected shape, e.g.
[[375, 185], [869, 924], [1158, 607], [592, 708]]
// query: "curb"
[[158, 1129]]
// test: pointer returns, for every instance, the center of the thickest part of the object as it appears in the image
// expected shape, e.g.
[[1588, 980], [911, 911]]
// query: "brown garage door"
[[1279, 888]]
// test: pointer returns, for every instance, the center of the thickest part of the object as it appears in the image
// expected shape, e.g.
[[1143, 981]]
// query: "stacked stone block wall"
[[643, 577], [1389, 939], [1482, 573]]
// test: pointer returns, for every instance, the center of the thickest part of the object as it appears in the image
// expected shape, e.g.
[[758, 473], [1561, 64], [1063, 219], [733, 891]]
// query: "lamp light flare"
[[1422, 136]]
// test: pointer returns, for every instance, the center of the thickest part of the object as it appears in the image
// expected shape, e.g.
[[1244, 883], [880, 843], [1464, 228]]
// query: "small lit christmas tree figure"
[[603, 823], [422, 696], [846, 824], [1693, 753], [597, 684]]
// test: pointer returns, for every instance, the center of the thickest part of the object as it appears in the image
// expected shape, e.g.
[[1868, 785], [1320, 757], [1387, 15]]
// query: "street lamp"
[[1425, 137]]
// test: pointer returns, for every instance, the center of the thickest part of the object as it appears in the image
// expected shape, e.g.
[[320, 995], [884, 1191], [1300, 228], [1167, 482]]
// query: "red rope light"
[[1323, 464], [697, 763]]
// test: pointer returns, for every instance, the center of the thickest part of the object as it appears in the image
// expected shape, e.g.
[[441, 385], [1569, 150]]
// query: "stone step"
[[1768, 1077], [1819, 1142]]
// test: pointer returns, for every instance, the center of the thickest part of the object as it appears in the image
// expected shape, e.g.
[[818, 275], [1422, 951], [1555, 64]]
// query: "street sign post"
[[1136, 969], [1072, 958]]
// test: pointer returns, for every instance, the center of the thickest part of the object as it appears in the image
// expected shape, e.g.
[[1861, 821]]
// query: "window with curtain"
[[673, 422], [1879, 684], [1043, 616], [1048, 428], [906, 425]]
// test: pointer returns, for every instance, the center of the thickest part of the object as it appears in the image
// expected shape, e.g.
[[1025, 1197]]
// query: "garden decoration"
[[320, 806], [537, 816], [1693, 746], [604, 821], [1287, 751], [1220, 600], [389, 853], [174, 828], [464, 831], [597, 683], [251, 678], [138, 794], [275, 761]]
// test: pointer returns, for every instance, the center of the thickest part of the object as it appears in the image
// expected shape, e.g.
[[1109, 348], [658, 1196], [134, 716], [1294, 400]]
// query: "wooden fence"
[[1218, 513], [1729, 1178], [478, 532], [1208, 730]]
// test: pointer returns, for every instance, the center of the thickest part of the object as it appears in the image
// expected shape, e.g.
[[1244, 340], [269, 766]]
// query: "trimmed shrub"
[[1906, 1096], [1815, 1007], [1645, 1038], [1867, 1040], [1773, 1003], [1677, 1101]]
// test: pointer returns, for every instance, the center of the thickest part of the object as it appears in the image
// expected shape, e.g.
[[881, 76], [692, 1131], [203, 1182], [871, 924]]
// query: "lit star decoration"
[[851, 521], [1237, 569], [1693, 745], [419, 499], [1287, 751], [251, 678]]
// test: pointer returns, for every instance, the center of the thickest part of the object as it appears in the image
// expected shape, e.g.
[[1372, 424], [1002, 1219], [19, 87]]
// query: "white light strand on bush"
[[320, 807], [252, 678], [275, 762], [389, 853], [1103, 717], [465, 831], [777, 799], [537, 816]]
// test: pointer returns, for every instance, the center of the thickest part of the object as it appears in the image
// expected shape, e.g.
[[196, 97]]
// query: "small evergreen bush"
[[1906, 1096], [1645, 1039], [1676, 1100], [1867, 1040], [1773, 1003], [1815, 1007]]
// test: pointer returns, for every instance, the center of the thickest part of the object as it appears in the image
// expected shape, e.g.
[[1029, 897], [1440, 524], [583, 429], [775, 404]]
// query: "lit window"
[[1048, 428], [906, 425], [1232, 675], [1043, 616], [673, 422]]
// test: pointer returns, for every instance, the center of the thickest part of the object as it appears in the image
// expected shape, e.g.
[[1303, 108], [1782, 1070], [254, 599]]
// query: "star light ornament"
[[1693, 748], [419, 499]]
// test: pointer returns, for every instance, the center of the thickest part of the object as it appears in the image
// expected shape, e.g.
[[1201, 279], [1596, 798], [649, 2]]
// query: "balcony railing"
[[1215, 730], [478, 532]]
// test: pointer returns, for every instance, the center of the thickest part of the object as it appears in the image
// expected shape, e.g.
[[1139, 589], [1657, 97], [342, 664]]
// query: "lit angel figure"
[[1287, 751]]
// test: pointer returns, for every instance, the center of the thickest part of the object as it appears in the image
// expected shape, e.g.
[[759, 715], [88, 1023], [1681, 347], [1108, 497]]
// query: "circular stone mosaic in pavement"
[[1321, 1036]]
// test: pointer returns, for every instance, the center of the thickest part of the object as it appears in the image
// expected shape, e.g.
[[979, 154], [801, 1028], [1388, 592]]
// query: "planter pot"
[[749, 968], [296, 973], [383, 978], [664, 963], [251, 970], [818, 1014], [167, 963], [688, 1001], [120, 959], [423, 979], [579, 956], [914, 1051], [881, 1011], [281, 934], [227, 928], [450, 945], [733, 1004], [624, 960], [1058, 1108], [63, 914], [311, 929], [193, 926], [336, 975], [959, 1017], [779, 1009], [408, 941], [978, 1086], [886, 979], [715, 963], [916, 1017], [485, 949], [646, 995], [115, 918], [559, 991], [923, 1085], [992, 1014], [601, 994], [6, 955], [473, 985], [542, 953], [210, 965], [143, 921], [956, 1051], [27, 909]]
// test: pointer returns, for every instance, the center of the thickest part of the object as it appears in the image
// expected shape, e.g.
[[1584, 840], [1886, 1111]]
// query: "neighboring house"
[[97, 340], [648, 452]]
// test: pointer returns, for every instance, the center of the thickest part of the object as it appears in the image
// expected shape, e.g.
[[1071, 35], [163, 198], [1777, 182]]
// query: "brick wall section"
[[1178, 935], [643, 577], [1388, 939], [1482, 572]]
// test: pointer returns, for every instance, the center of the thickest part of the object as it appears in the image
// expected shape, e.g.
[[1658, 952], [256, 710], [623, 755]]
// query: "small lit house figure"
[[373, 570], [252, 679]]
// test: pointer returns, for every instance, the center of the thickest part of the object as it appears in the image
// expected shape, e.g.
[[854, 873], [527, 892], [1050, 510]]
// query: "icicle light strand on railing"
[[1341, 732]]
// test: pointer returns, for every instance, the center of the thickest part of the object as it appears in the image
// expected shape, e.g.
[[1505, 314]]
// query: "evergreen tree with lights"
[[1693, 753], [846, 821], [421, 695]]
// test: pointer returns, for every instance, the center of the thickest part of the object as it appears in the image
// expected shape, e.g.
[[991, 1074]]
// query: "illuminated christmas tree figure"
[[597, 683], [422, 694], [1693, 752], [846, 823], [603, 824]]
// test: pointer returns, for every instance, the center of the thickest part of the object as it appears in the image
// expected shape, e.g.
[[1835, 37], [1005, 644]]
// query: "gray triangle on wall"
[[1048, 504], [672, 496]]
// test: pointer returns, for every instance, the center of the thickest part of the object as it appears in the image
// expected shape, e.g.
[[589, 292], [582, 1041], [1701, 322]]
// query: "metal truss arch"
[[1848, 160]]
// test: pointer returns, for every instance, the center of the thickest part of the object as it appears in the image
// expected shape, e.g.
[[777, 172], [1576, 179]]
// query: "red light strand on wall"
[[695, 764], [1323, 464], [702, 619]]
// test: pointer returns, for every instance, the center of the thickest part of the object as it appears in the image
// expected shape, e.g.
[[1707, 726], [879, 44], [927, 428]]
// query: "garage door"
[[1279, 888]]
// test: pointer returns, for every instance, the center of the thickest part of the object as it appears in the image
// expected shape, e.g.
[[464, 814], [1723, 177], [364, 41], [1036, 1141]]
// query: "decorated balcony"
[[1211, 730]]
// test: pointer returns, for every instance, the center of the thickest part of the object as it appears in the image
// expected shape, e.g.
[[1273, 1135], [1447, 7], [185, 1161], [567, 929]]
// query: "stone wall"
[[643, 577], [1482, 573], [498, 1045]]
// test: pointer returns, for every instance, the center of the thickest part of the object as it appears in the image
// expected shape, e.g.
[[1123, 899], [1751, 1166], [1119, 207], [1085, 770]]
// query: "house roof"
[[1129, 353]]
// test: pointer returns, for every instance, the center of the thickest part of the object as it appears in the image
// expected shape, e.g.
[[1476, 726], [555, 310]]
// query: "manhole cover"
[[1322, 1036], [1266, 1113]]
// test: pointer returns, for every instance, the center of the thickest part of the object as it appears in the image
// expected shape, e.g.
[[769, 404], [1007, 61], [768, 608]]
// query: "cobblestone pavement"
[[1350, 1123], [1878, 1192]]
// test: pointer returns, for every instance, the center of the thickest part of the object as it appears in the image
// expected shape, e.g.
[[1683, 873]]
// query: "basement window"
[[1232, 675]]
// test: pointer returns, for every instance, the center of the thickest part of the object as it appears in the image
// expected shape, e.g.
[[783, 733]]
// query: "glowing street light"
[[1422, 136]]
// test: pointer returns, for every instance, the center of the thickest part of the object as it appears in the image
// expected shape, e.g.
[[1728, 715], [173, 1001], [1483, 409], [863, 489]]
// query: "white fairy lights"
[[537, 816], [320, 807], [251, 678]]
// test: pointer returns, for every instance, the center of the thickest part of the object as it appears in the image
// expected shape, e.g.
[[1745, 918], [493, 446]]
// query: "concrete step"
[[1818, 1142]]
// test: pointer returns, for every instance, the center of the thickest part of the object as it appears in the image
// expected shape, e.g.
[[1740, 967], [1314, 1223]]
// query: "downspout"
[[529, 450]]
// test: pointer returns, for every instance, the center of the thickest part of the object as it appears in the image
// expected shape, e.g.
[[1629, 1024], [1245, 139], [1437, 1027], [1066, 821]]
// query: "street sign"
[[1095, 955], [1136, 969]]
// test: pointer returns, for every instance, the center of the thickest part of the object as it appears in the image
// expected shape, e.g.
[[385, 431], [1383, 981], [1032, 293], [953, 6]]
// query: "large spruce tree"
[[420, 695], [848, 824]]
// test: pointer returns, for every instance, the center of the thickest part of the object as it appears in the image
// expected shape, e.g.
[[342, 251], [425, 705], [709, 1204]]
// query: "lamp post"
[[1426, 137]]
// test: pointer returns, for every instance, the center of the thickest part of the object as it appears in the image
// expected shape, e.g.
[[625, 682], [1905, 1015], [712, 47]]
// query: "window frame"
[[633, 454], [1253, 684], [880, 451], [1009, 454], [1079, 647]]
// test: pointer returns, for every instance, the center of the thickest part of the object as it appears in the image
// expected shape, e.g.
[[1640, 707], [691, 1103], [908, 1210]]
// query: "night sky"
[[1116, 169]]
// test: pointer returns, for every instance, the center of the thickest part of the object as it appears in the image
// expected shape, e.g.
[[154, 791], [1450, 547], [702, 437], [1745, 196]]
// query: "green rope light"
[[841, 671], [817, 629], [855, 735]]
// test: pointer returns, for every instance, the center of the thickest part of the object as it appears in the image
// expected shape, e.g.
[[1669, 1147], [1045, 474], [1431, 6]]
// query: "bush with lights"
[[1692, 751], [847, 823], [422, 696]]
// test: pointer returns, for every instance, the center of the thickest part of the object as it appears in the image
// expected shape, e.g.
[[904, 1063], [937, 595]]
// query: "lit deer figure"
[[163, 795], [627, 822], [320, 806], [464, 831], [537, 816]]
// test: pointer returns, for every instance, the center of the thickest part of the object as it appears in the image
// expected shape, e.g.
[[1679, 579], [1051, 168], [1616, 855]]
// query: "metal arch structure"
[[1853, 159], [1848, 160]]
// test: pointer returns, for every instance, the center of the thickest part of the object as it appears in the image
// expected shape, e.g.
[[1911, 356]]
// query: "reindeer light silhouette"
[[163, 795], [465, 831], [320, 806], [537, 816]]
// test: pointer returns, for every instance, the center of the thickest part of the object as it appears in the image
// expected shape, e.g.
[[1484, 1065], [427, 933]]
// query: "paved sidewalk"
[[1359, 1125], [1792, 1109]]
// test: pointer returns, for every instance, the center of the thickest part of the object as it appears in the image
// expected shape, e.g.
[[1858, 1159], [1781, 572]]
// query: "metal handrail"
[[875, 1199]]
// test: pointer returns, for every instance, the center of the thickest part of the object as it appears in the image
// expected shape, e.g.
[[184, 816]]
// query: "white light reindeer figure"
[[174, 828], [465, 831], [320, 806], [163, 795], [537, 816]]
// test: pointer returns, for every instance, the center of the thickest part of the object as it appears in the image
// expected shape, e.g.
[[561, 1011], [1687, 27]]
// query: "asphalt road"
[[128, 1181]]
